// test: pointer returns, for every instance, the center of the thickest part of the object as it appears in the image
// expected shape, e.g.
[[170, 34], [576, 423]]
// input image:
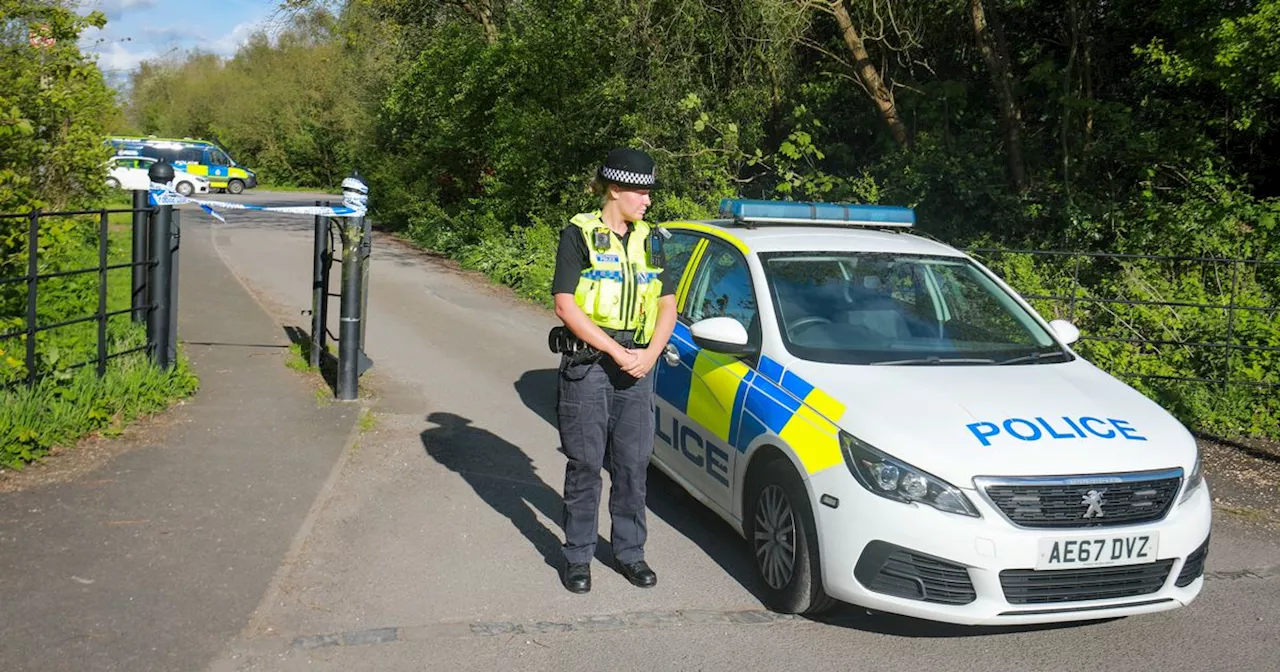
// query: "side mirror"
[[722, 334], [1066, 331]]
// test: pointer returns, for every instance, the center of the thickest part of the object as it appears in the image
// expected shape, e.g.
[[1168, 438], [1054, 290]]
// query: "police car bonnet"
[[627, 167]]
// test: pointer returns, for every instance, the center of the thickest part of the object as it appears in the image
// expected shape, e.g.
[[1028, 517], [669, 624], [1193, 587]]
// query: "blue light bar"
[[798, 212]]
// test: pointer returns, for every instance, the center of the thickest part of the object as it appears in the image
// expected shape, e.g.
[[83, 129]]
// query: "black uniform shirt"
[[573, 257]]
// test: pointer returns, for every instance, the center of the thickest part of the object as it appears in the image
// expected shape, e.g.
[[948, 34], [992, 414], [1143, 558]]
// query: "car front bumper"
[[943, 549]]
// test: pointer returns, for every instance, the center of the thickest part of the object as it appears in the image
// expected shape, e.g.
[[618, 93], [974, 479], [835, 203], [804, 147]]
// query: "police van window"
[[170, 155], [722, 288], [217, 158], [191, 155]]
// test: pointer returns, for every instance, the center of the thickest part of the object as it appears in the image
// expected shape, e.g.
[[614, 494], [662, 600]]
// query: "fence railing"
[[1223, 285], [152, 287]]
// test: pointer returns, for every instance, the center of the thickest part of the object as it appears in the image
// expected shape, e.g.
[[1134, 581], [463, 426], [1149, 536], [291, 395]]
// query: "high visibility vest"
[[621, 288]]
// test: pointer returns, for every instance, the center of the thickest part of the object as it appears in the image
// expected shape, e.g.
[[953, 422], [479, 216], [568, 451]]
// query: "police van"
[[198, 157], [889, 424]]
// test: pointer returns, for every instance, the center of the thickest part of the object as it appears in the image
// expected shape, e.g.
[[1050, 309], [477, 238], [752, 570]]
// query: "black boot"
[[639, 574], [577, 577]]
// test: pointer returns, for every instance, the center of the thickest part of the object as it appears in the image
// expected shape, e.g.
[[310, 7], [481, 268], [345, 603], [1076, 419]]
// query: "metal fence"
[[152, 286], [1226, 283]]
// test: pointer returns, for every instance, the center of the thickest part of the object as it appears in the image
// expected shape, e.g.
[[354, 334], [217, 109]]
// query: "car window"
[[722, 288], [678, 249], [217, 158], [864, 308]]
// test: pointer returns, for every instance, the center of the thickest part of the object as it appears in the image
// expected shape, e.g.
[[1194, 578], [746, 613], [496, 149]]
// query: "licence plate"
[[1100, 551]]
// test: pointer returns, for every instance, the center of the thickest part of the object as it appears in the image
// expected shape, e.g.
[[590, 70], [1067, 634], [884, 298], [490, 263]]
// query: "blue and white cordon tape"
[[355, 202]]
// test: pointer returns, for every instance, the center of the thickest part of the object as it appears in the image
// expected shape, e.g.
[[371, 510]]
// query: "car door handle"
[[671, 355]]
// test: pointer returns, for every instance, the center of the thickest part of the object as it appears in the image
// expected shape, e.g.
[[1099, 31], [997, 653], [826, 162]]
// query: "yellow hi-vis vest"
[[620, 291]]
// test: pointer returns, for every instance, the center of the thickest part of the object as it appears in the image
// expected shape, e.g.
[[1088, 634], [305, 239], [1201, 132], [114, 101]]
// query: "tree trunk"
[[880, 94], [996, 55], [482, 11]]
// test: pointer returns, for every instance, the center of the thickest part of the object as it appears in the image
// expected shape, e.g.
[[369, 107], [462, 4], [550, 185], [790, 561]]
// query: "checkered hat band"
[[626, 176]]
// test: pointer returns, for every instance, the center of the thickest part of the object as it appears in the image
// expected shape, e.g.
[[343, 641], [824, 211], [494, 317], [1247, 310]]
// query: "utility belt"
[[562, 341]]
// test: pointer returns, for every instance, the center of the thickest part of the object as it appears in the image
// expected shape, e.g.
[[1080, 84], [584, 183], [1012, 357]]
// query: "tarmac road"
[[434, 544]]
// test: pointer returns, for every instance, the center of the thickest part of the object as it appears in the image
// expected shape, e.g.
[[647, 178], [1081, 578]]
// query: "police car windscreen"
[[867, 308]]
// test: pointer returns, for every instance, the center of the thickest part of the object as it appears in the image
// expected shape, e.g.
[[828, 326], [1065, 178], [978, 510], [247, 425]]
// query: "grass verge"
[[69, 404], [59, 412]]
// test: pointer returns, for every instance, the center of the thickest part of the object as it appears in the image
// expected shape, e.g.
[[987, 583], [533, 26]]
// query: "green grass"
[[68, 403], [61, 411], [367, 420]]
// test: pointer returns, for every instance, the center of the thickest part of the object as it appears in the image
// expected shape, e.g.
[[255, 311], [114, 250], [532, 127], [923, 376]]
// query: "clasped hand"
[[636, 362]]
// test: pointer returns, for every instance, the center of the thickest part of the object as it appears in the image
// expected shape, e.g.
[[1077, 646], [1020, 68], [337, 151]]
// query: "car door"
[[700, 396], [133, 173], [219, 165], [671, 380]]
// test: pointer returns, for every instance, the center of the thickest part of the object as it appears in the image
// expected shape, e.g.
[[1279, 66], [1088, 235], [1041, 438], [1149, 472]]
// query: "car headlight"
[[894, 479], [1194, 481]]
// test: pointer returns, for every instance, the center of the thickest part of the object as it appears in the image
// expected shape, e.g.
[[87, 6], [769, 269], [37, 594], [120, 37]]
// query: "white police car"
[[889, 424]]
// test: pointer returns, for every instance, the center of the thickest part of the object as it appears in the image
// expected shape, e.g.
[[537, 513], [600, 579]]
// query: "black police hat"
[[627, 167]]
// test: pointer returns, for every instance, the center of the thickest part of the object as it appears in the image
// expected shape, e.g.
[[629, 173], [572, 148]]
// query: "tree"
[[53, 103], [990, 41]]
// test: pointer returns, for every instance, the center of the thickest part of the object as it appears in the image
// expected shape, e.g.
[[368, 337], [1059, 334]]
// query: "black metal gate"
[[153, 289]]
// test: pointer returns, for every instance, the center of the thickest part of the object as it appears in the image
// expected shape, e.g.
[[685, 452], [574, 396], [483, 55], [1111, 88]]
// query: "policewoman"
[[618, 309]]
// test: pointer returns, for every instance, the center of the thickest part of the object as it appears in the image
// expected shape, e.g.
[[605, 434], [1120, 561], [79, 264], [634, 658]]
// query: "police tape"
[[355, 202]]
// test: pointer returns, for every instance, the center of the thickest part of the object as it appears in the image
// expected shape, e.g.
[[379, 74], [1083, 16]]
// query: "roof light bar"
[[799, 212]]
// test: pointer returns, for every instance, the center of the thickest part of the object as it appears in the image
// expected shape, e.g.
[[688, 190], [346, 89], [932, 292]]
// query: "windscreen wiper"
[[1035, 357], [936, 360]]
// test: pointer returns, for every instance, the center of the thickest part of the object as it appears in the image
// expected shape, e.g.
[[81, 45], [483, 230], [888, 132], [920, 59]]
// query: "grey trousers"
[[606, 422]]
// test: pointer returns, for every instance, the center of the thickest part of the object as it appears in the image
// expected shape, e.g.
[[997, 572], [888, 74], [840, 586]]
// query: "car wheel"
[[185, 188], [235, 186], [113, 183], [784, 541]]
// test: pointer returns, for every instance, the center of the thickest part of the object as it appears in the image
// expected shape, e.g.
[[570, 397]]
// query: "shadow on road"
[[537, 389], [504, 477]]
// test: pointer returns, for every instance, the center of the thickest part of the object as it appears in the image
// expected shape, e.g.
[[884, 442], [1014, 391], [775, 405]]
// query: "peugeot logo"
[[1094, 501]]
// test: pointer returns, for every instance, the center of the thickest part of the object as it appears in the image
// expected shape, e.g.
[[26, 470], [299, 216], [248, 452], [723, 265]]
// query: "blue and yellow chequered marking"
[[218, 176], [738, 404]]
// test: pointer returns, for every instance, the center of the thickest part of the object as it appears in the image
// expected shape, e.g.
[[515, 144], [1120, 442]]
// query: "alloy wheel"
[[775, 537]]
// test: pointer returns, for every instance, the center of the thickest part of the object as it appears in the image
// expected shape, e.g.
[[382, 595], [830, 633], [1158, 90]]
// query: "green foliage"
[[1146, 129], [58, 412], [295, 118], [52, 104]]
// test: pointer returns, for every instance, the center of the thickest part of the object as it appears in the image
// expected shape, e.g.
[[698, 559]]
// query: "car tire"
[[790, 579], [113, 183], [235, 186], [185, 188]]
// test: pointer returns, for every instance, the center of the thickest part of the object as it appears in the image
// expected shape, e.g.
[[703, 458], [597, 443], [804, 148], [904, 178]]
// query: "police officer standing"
[[618, 309]]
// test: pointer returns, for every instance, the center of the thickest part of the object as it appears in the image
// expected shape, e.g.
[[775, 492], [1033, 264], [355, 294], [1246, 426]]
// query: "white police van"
[[888, 424]]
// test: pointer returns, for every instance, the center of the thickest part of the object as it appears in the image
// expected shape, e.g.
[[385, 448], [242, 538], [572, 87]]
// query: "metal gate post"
[[161, 272], [140, 257], [171, 336], [351, 309], [319, 289]]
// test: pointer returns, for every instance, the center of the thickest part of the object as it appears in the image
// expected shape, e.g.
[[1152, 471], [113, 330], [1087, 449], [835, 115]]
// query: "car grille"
[[1193, 568], [893, 570], [1064, 502], [1029, 586]]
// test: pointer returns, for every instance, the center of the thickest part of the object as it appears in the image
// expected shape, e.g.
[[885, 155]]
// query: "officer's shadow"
[[504, 477]]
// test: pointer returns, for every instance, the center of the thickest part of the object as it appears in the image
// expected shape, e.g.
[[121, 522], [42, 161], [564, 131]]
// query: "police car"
[[888, 424]]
